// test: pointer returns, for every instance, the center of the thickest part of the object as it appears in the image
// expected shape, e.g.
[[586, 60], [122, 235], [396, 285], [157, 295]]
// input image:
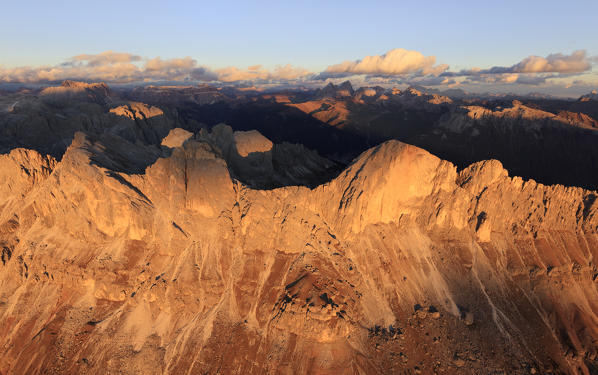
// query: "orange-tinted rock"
[[126, 258]]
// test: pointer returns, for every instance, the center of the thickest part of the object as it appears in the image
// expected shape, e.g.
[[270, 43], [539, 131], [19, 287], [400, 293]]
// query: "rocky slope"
[[47, 121], [549, 140], [589, 97], [125, 257], [552, 148]]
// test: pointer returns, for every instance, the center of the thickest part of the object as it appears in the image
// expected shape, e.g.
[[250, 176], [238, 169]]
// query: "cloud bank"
[[577, 62], [532, 70], [104, 58], [395, 62], [120, 67], [257, 73], [395, 67]]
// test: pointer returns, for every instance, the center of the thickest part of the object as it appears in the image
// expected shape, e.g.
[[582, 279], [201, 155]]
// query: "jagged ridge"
[[157, 268]]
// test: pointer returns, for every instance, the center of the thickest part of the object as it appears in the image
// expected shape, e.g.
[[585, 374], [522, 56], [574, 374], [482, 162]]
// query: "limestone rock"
[[250, 142], [135, 258], [176, 137], [135, 110]]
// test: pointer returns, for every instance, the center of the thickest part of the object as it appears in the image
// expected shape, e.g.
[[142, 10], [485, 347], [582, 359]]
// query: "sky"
[[310, 36]]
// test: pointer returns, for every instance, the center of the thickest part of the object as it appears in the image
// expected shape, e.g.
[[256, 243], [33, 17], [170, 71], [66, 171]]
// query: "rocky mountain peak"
[[331, 90], [346, 86], [589, 97], [98, 93], [183, 233], [84, 85]]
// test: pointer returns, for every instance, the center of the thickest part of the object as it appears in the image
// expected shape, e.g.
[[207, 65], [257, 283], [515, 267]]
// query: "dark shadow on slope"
[[53, 133], [554, 154], [551, 153], [383, 121], [119, 155], [126, 183], [280, 123]]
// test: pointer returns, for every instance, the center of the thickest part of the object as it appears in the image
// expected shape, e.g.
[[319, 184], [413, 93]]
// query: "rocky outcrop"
[[257, 162], [176, 137], [578, 119], [520, 137], [136, 110], [368, 94], [48, 122], [518, 111], [176, 95], [593, 96], [22, 170], [131, 259], [328, 111], [331, 90], [98, 93]]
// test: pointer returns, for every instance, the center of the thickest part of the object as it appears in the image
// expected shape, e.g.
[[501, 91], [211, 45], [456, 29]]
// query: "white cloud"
[[105, 58], [510, 78], [176, 69], [290, 72], [395, 62], [398, 66], [157, 64], [257, 73], [106, 66], [430, 81], [577, 62], [533, 70], [124, 67]]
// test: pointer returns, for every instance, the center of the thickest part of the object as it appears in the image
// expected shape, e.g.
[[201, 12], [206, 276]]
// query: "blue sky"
[[312, 34], [307, 34]]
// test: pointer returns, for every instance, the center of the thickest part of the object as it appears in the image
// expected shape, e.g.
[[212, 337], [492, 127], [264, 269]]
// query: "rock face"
[[257, 162], [135, 110], [518, 111], [593, 96], [331, 90], [48, 121], [577, 119], [126, 258], [176, 137], [519, 136], [143, 247], [326, 110], [96, 92]]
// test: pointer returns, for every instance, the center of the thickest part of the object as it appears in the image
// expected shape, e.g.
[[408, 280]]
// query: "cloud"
[[257, 73], [176, 69], [430, 81], [290, 72], [157, 64], [202, 74], [575, 63], [532, 70], [395, 62], [111, 67], [104, 58], [398, 66], [125, 67], [512, 78], [234, 74], [576, 83]]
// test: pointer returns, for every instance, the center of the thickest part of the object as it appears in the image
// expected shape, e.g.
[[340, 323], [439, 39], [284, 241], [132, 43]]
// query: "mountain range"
[[203, 230]]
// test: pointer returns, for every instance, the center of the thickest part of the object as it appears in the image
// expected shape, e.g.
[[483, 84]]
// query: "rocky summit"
[[173, 238]]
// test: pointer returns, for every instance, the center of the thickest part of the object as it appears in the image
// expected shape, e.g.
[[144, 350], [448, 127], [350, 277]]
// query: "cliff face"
[[124, 259]]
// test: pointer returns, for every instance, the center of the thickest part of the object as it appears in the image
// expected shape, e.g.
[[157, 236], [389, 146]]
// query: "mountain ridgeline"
[[202, 230]]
